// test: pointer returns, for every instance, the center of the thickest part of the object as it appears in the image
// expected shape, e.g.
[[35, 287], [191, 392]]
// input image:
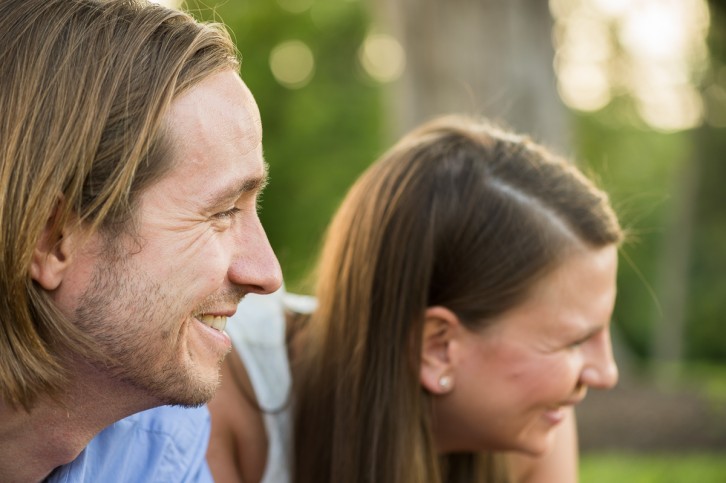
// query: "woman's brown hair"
[[457, 214]]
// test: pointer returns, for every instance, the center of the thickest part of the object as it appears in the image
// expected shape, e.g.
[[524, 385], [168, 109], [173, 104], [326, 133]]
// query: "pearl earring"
[[445, 382]]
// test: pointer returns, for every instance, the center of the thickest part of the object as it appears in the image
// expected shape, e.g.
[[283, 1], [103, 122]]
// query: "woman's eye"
[[580, 342], [577, 343]]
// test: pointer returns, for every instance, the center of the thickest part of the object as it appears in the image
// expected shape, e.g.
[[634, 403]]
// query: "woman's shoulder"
[[261, 319]]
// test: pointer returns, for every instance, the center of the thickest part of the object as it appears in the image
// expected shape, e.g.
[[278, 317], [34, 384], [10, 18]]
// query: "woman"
[[464, 297]]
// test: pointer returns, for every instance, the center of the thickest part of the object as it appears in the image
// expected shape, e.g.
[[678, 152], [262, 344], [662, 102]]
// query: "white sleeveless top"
[[257, 331]]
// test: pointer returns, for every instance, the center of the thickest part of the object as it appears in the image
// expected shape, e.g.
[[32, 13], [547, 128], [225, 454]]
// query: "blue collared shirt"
[[167, 444]]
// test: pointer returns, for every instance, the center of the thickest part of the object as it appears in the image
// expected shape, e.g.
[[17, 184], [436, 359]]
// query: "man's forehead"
[[220, 109]]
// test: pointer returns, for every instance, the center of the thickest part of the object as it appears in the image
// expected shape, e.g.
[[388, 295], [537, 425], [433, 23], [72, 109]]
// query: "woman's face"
[[513, 380]]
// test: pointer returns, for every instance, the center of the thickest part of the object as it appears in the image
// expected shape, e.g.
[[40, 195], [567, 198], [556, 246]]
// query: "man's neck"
[[56, 431]]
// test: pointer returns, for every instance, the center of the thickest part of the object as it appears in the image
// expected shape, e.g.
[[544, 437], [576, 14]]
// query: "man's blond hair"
[[85, 88]]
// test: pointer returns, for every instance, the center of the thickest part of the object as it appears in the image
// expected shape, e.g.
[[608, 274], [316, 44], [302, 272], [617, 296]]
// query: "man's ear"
[[441, 326], [52, 254]]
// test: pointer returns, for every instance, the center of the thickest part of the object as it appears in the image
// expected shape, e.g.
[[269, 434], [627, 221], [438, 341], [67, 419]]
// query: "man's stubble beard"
[[135, 322]]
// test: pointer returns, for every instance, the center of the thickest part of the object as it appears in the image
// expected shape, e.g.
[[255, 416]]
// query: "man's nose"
[[255, 266]]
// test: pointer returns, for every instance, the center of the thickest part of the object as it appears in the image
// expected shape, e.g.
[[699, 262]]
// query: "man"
[[130, 167]]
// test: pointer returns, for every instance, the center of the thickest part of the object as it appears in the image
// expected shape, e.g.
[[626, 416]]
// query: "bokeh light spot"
[[583, 86], [382, 57], [652, 51], [671, 109], [292, 63]]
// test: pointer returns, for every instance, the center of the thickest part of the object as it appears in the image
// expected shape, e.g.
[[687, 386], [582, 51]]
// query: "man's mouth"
[[218, 322]]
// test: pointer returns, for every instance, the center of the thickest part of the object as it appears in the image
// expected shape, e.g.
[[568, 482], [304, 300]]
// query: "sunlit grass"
[[637, 468], [711, 377]]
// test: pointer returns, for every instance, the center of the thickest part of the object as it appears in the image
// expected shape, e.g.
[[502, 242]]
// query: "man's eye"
[[223, 215]]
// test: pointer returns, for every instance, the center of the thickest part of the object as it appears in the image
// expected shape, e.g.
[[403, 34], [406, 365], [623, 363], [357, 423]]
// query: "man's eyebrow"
[[248, 185]]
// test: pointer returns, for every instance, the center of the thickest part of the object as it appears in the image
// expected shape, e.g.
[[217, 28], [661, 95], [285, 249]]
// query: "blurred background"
[[634, 91]]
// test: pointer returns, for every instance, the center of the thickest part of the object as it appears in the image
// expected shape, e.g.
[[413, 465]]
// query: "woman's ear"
[[52, 254], [441, 326]]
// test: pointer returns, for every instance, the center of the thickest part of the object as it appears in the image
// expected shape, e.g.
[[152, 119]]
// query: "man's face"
[[159, 304]]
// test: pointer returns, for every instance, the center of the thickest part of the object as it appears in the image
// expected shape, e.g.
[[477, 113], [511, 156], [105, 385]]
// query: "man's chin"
[[187, 390]]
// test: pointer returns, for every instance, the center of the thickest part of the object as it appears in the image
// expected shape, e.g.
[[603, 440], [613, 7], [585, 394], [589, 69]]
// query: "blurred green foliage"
[[641, 170], [675, 468], [705, 332], [636, 167], [709, 380], [317, 139]]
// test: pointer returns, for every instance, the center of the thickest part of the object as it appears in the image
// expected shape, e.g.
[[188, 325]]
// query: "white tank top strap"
[[257, 331]]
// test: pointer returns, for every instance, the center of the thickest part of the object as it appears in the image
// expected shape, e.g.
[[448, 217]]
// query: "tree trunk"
[[481, 57], [674, 266]]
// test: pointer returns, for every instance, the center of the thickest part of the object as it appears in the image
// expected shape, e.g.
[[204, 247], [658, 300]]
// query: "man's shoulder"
[[166, 443]]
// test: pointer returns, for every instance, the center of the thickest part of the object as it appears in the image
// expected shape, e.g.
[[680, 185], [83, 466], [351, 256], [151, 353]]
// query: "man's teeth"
[[214, 321]]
